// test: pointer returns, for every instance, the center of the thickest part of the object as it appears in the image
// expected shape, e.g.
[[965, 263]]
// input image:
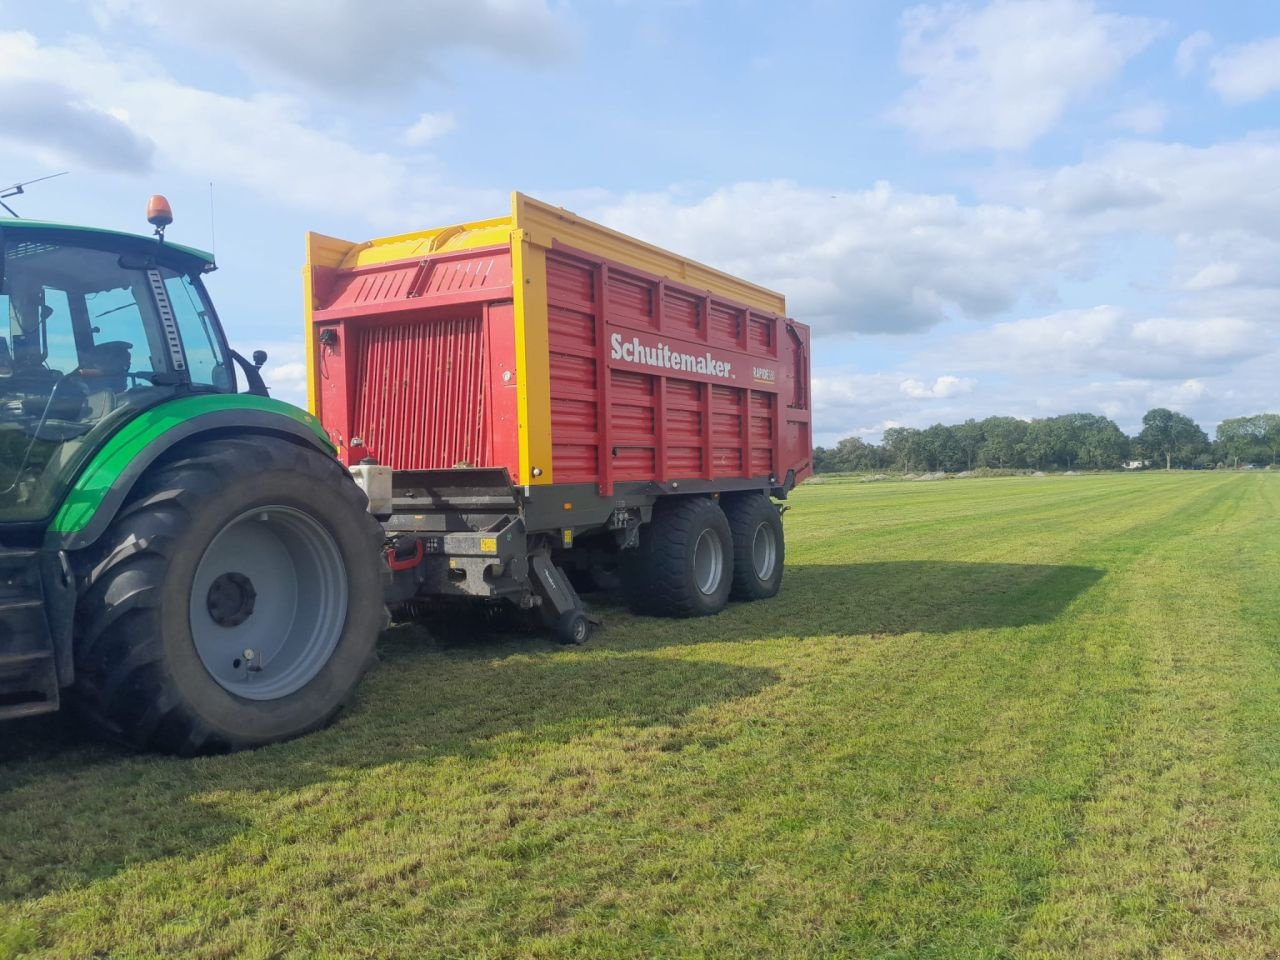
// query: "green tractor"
[[182, 559]]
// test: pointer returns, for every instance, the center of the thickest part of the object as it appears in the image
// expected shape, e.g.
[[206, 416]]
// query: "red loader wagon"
[[535, 396]]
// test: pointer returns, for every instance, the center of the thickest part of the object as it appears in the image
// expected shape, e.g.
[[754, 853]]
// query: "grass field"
[[986, 718]]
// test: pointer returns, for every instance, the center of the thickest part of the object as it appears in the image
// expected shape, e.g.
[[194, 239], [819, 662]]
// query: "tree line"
[[1073, 441]]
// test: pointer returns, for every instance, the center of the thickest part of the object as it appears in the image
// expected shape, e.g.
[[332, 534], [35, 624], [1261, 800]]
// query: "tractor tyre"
[[758, 546], [683, 566], [233, 602]]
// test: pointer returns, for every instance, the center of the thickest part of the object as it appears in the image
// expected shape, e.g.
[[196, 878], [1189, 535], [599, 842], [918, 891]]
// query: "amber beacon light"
[[159, 213]]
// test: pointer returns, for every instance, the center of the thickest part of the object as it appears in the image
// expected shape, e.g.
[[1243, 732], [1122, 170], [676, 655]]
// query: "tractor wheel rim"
[[268, 603], [764, 551], [708, 562]]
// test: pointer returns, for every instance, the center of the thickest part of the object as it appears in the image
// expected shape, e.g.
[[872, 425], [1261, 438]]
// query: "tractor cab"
[[94, 327], [189, 562]]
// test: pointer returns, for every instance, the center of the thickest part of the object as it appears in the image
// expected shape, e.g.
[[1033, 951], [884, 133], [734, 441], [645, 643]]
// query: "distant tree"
[[899, 441], [850, 455], [1100, 444], [1042, 443], [1172, 436], [1270, 423], [1003, 442], [940, 448], [919, 451], [822, 460], [969, 438], [1239, 438]]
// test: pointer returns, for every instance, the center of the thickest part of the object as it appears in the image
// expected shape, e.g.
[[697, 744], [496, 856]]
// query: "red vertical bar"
[[349, 341], [660, 425], [775, 439], [484, 442], [708, 439], [418, 425], [395, 365], [604, 410]]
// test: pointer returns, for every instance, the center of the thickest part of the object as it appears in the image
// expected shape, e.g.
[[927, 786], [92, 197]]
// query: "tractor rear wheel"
[[233, 602], [683, 566], [758, 546]]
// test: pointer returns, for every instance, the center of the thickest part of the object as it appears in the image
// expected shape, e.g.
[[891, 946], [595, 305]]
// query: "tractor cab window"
[[206, 358], [116, 317], [82, 349]]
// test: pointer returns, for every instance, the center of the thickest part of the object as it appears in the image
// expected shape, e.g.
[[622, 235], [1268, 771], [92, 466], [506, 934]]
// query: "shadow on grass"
[[72, 812], [900, 597]]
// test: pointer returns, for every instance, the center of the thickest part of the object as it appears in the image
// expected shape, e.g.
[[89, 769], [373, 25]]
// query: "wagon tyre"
[[758, 547], [573, 628], [234, 601], [683, 566]]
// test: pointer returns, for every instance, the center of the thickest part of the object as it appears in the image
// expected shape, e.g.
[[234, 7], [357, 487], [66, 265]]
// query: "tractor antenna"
[[17, 189], [213, 233]]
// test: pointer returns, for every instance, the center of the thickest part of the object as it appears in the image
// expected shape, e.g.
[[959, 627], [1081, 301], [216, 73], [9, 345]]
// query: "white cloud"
[[1107, 339], [1000, 76], [263, 142], [428, 127], [1185, 393], [877, 260], [66, 126], [1214, 275], [1167, 187], [1217, 207], [944, 386], [286, 371], [1069, 339], [1247, 73], [1203, 340], [1191, 50], [348, 47], [1226, 263], [1143, 119], [865, 405]]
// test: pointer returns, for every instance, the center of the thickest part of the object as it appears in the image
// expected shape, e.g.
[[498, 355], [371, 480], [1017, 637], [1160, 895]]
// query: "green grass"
[[993, 718]]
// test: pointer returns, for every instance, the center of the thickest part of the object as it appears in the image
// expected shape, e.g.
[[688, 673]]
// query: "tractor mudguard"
[[106, 479]]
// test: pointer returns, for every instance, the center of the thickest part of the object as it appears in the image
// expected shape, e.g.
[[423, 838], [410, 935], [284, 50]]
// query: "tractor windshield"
[[82, 348]]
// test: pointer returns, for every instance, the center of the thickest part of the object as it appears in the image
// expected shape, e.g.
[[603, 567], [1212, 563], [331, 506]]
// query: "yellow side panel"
[[544, 224], [533, 351], [322, 251]]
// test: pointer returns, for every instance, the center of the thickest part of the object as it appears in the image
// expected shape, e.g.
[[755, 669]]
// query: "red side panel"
[[651, 380]]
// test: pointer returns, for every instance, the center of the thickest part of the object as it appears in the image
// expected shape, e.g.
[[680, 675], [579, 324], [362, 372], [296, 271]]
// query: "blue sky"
[[1022, 207]]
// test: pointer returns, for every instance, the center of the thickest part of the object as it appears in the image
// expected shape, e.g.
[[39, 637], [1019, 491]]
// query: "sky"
[[1019, 207]]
